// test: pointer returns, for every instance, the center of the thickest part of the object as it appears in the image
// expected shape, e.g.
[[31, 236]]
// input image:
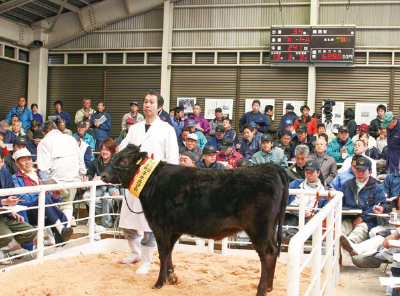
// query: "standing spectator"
[[202, 140], [269, 112], [255, 116], [201, 123], [164, 116], [58, 157], [85, 136], [24, 114], [35, 114], [62, 127], [228, 153], [216, 121], [209, 159], [309, 121], [192, 146], [101, 123], [85, 113], [177, 120], [392, 125], [342, 146], [35, 125], [216, 140], [32, 145], [375, 124], [290, 114], [16, 131], [269, 155], [326, 163], [19, 143], [284, 141], [301, 138], [128, 124], [58, 105], [229, 132], [251, 143], [349, 121], [134, 114]]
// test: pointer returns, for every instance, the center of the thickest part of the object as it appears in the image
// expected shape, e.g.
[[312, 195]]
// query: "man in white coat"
[[158, 139]]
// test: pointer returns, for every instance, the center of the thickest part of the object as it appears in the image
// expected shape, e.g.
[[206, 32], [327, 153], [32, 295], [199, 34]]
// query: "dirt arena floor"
[[102, 274]]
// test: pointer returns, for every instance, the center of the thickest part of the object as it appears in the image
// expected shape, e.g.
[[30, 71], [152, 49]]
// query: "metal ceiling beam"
[[49, 8], [13, 4], [67, 5], [18, 33], [20, 16]]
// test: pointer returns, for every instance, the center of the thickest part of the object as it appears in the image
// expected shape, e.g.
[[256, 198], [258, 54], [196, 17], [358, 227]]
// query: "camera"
[[328, 108]]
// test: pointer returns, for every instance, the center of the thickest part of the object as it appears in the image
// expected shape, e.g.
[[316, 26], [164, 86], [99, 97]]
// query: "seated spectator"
[[269, 113], [191, 145], [128, 124], [103, 205], [19, 143], [311, 182], [200, 122], [359, 149], [372, 151], [183, 136], [15, 132], [342, 146], [216, 121], [177, 120], [375, 124], [60, 114], [250, 143], [296, 170], [201, 139], [2, 145], [228, 153], [35, 125], [187, 159], [216, 140], [268, 154], [101, 128], [322, 130], [301, 138], [349, 122], [362, 132], [288, 126], [290, 114], [134, 114], [85, 113], [362, 192], [229, 132], [209, 159], [29, 176], [342, 177], [310, 122], [84, 135], [32, 145], [255, 116], [85, 151], [5, 125], [35, 114], [326, 163], [22, 112], [381, 140], [62, 128], [284, 141]]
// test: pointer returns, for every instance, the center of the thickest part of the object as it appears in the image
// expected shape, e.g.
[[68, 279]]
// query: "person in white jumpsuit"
[[158, 139]]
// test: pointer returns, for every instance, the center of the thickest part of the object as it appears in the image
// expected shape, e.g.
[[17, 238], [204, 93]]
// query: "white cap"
[[21, 153], [192, 136]]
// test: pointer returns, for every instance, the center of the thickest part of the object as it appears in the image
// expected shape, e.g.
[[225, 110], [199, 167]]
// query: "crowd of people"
[[314, 157]]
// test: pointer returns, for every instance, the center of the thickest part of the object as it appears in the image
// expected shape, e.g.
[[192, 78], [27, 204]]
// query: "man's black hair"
[[268, 107], [349, 113], [34, 105], [381, 106], [304, 107], [177, 110], [35, 122], [59, 102], [160, 99]]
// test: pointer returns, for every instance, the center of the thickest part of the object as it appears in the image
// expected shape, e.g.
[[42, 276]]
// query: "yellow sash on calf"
[[141, 177]]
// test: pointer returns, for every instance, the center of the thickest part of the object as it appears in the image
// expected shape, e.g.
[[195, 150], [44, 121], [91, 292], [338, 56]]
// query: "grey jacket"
[[328, 166]]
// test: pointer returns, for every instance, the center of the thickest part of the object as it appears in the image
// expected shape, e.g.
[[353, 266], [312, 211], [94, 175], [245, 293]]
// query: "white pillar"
[[37, 77], [314, 14], [166, 53]]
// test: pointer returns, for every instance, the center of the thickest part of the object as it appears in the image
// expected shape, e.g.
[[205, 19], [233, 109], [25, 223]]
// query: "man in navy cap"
[[255, 116], [209, 159], [216, 121], [283, 141], [268, 154], [228, 153], [134, 114], [289, 115], [216, 140], [288, 126], [301, 138]]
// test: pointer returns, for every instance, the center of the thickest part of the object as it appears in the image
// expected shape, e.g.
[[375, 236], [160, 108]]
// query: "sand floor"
[[102, 274]]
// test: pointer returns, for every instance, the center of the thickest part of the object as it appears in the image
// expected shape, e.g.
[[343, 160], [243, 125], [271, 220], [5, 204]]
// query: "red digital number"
[[334, 56], [308, 39], [343, 39], [329, 56], [277, 57], [290, 47], [302, 57], [324, 56], [289, 39], [340, 56], [290, 57], [298, 31], [300, 39]]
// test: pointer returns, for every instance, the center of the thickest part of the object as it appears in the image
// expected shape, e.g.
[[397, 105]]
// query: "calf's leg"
[[171, 277], [164, 252]]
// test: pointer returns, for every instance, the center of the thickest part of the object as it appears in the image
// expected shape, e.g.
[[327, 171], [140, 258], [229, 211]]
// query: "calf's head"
[[123, 166]]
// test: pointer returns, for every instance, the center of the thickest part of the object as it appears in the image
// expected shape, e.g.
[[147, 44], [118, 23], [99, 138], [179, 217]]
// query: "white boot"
[[6, 261], [68, 214], [11, 245], [147, 256], [51, 240], [134, 256]]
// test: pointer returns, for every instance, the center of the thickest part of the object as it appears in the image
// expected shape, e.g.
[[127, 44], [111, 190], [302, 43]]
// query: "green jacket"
[[274, 156]]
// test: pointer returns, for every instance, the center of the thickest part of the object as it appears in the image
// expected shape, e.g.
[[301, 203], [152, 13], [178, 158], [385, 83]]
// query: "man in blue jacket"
[[290, 115], [342, 146], [24, 114], [101, 123], [177, 120], [216, 140], [342, 177], [362, 192], [255, 116]]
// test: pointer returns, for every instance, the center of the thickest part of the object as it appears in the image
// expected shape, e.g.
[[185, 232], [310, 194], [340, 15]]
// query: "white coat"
[[160, 141]]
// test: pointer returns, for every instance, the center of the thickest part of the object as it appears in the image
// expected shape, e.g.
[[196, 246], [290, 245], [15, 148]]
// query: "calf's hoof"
[[172, 278], [158, 285]]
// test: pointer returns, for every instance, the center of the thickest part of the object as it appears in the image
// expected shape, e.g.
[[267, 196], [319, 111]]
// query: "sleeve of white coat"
[[44, 158], [82, 167], [171, 147]]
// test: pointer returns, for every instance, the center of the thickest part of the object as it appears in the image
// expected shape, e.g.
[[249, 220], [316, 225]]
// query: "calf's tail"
[[284, 199]]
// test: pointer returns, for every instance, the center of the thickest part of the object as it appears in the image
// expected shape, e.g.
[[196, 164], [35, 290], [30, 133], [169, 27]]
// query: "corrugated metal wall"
[[396, 93], [14, 84]]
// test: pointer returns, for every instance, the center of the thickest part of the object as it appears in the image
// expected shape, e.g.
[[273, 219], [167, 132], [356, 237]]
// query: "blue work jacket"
[[25, 117], [257, 118], [103, 131]]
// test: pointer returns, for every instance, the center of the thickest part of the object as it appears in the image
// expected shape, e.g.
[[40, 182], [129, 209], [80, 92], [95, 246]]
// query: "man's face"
[[383, 132], [256, 107], [301, 136], [210, 158], [226, 124], [270, 112], [305, 112], [196, 110], [226, 151], [134, 108], [381, 112], [58, 107], [14, 118], [81, 130], [266, 146], [219, 137], [286, 139], [248, 134], [21, 102], [343, 136], [186, 161], [289, 128], [359, 147], [150, 106], [321, 129], [353, 166], [86, 104], [100, 107], [362, 175], [191, 144], [34, 128], [105, 153], [61, 126], [312, 176], [301, 159], [34, 109], [16, 127], [218, 115], [184, 135], [180, 114], [320, 146], [392, 124], [25, 163]]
